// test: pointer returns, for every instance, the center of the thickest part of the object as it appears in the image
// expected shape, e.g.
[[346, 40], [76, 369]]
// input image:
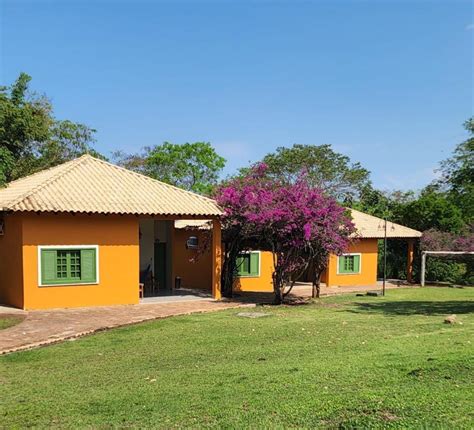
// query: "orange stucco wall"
[[193, 267], [117, 238], [264, 282], [198, 274], [195, 270], [11, 274], [368, 274]]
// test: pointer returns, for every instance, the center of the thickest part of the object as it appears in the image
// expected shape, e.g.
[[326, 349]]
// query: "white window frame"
[[76, 284], [348, 254], [259, 264]]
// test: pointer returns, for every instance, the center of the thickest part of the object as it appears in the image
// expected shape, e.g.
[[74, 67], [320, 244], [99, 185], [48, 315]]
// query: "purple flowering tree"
[[298, 223], [435, 240]]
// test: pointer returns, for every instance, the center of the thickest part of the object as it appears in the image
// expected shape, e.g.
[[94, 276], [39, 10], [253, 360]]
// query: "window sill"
[[348, 274], [75, 284]]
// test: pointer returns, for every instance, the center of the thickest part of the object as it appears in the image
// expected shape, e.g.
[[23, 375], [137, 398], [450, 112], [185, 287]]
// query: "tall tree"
[[325, 168], [432, 210], [383, 204], [192, 166], [31, 138], [297, 222], [458, 174], [24, 121]]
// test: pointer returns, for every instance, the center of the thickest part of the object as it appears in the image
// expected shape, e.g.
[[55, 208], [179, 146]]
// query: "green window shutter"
[[356, 263], [246, 263], [341, 263], [349, 264], [88, 266], [239, 264], [48, 266], [254, 264]]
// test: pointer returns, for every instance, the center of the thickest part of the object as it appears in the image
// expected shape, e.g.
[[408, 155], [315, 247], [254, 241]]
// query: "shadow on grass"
[[9, 320], [415, 308]]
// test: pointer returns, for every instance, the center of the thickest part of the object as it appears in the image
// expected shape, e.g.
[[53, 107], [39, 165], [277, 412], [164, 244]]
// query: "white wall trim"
[[97, 268], [348, 254], [259, 264]]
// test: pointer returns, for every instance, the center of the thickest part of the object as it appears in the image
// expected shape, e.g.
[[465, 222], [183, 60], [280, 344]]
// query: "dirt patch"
[[388, 416], [253, 314]]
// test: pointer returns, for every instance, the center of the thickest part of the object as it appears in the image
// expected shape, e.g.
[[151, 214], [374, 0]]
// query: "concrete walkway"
[[55, 325]]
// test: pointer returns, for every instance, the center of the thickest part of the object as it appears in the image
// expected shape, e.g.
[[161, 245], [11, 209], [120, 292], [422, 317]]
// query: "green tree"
[[326, 169], [31, 138], [7, 163], [134, 162], [383, 204], [192, 166], [433, 210], [24, 121], [429, 209], [458, 174]]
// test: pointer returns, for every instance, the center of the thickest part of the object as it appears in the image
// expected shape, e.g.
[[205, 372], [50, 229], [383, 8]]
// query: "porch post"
[[410, 257], [216, 259], [423, 267]]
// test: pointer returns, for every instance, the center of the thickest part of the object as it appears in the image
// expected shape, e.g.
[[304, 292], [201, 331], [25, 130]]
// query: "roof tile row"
[[90, 185]]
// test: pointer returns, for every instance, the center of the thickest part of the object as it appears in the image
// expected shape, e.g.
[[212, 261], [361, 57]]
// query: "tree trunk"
[[316, 291], [279, 296], [289, 289], [277, 288], [228, 268]]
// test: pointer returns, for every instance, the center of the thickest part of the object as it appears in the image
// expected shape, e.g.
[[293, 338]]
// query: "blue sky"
[[389, 83]]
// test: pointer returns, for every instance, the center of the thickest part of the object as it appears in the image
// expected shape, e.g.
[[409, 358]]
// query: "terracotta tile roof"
[[90, 185], [369, 226]]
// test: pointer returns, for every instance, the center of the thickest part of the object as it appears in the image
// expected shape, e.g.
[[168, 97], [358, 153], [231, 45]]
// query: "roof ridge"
[[66, 168], [388, 221], [148, 178], [372, 216]]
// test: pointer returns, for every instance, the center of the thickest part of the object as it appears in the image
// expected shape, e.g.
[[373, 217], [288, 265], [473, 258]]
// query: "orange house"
[[89, 233], [356, 267], [359, 265], [84, 234]]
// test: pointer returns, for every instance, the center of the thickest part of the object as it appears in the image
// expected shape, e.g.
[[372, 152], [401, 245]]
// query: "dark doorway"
[[160, 266]]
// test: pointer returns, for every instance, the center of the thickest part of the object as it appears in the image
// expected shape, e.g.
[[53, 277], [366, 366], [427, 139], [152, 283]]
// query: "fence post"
[[423, 268]]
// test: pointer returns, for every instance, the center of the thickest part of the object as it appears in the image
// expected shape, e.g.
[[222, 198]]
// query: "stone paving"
[[54, 325]]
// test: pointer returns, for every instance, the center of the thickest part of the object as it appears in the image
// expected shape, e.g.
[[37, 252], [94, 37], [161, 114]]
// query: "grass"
[[10, 320], [343, 363]]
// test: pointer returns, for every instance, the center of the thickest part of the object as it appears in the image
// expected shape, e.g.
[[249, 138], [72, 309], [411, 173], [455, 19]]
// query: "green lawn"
[[346, 362], [9, 320]]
